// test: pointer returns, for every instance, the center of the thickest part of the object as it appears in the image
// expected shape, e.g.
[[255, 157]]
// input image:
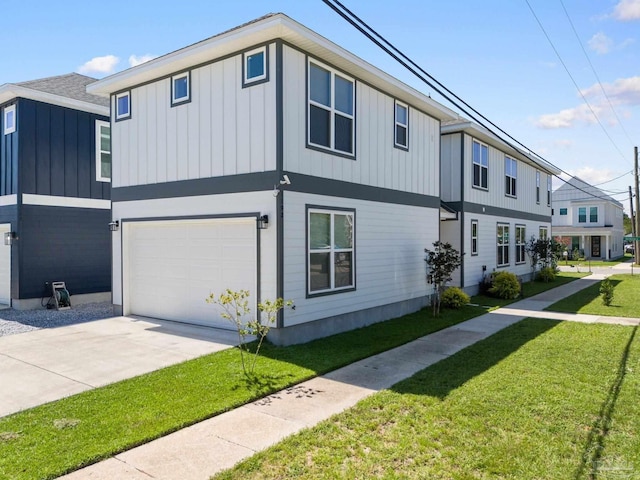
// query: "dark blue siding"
[[8, 158], [64, 244]]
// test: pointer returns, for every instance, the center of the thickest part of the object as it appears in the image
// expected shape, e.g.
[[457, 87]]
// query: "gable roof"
[[259, 31], [577, 190], [69, 90]]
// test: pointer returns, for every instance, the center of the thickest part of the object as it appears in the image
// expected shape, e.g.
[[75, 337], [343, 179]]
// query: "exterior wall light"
[[263, 222], [114, 226]]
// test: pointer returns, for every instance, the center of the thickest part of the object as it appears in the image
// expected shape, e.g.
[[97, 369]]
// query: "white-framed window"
[[103, 151], [543, 233], [123, 106], [503, 244], [582, 214], [181, 88], [330, 247], [474, 237], [593, 214], [480, 153], [511, 175], [254, 66], [563, 211], [331, 118], [401, 131], [537, 187], [548, 190], [9, 117], [521, 240]]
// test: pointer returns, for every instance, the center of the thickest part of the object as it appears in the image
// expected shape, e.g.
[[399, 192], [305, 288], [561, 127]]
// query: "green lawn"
[[626, 299], [594, 263], [541, 399]]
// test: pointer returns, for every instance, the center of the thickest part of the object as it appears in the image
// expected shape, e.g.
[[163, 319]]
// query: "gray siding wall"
[[450, 184]]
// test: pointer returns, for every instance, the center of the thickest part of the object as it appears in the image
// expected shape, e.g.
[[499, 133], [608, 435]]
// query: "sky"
[[535, 68]]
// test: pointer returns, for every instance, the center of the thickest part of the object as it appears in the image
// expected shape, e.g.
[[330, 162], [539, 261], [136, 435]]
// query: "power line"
[[630, 172]]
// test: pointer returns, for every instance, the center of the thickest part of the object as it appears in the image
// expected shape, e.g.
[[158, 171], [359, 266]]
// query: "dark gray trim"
[[462, 215], [498, 212], [279, 169], [479, 187], [175, 103], [509, 195], [508, 245], [189, 217], [246, 84], [249, 182], [353, 252], [115, 102], [395, 125], [538, 177], [474, 220], [515, 243]]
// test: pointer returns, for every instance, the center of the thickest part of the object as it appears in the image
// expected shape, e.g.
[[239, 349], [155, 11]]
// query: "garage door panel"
[[175, 265]]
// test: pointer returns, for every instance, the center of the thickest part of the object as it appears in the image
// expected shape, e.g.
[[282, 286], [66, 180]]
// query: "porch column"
[[606, 243]]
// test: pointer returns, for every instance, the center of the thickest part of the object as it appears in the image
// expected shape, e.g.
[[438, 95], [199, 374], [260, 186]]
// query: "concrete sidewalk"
[[204, 449]]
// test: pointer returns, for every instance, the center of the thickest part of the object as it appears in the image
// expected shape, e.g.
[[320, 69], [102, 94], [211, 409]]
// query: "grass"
[[529, 289], [540, 399], [626, 301], [594, 263]]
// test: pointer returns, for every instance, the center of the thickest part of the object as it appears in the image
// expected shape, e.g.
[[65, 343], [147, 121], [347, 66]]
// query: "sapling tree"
[[442, 261]]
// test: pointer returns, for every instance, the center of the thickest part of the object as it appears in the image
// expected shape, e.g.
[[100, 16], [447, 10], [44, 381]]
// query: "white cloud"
[[100, 65], [623, 91], [600, 43], [563, 144], [568, 117], [593, 175], [627, 10], [135, 60]]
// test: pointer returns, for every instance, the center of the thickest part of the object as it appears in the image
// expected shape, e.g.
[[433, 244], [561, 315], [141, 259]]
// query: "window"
[[520, 243], [503, 244], [254, 66], [563, 211], [537, 187], [511, 174], [123, 106], [548, 190], [330, 250], [103, 151], [331, 110], [180, 88], [9, 119], [401, 138], [480, 165], [582, 215], [543, 233], [593, 214], [474, 237]]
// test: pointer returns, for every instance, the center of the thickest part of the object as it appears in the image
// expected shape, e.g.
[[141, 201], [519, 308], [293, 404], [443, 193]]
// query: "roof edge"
[[11, 91]]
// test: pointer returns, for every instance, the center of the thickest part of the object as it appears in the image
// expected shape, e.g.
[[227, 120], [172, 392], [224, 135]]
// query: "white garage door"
[[174, 265], [5, 266]]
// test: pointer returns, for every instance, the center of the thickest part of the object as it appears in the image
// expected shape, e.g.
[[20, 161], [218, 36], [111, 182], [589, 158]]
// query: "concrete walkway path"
[[216, 444]]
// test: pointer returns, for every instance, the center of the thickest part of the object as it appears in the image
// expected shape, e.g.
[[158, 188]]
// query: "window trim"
[[548, 190], [332, 111], [565, 210], [99, 151], [585, 214], [180, 101], [248, 82], [591, 214], [538, 187], [510, 180], [520, 244], [544, 229], [474, 251], [503, 245], [397, 124], [118, 96], [332, 211], [10, 109], [473, 163]]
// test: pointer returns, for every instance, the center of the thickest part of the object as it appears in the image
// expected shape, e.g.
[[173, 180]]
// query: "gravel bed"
[[19, 321]]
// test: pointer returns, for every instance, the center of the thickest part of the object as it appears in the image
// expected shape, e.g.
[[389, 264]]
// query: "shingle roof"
[[71, 85]]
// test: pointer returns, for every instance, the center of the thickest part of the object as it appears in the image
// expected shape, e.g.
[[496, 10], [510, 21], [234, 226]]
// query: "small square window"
[[255, 66], [9, 119], [123, 106], [180, 88], [401, 139], [563, 211]]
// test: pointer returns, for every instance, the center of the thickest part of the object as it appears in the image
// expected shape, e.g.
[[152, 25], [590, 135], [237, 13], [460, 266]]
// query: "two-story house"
[[587, 220], [54, 191], [270, 159], [502, 197]]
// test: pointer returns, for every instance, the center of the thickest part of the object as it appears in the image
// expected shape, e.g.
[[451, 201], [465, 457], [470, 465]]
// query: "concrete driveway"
[[45, 365]]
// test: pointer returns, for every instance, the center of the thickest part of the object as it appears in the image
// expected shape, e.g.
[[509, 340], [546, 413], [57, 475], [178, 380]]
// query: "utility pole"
[[636, 247], [633, 217]]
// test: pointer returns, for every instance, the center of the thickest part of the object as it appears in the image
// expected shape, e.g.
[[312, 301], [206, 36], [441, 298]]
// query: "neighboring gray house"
[[270, 159], [54, 190], [502, 197], [587, 219]]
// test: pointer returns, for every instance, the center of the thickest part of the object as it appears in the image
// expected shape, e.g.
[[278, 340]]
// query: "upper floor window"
[[537, 187], [582, 215], [103, 151], [503, 244], [511, 174], [548, 190], [330, 250], [331, 109], [563, 211], [9, 119], [123, 106], [521, 240], [593, 214], [401, 138], [474, 237], [180, 88], [254, 66], [480, 154]]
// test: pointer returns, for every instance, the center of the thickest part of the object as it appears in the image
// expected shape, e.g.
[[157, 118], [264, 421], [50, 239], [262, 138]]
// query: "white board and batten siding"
[[224, 130], [5, 266], [389, 256], [377, 163]]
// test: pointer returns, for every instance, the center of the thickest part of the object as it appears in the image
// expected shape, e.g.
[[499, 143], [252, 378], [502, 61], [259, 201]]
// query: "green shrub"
[[546, 274], [606, 292], [505, 285], [453, 297]]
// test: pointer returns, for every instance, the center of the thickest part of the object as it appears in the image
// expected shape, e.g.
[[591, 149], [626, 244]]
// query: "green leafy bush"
[[546, 274], [453, 297], [606, 292], [505, 285]]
